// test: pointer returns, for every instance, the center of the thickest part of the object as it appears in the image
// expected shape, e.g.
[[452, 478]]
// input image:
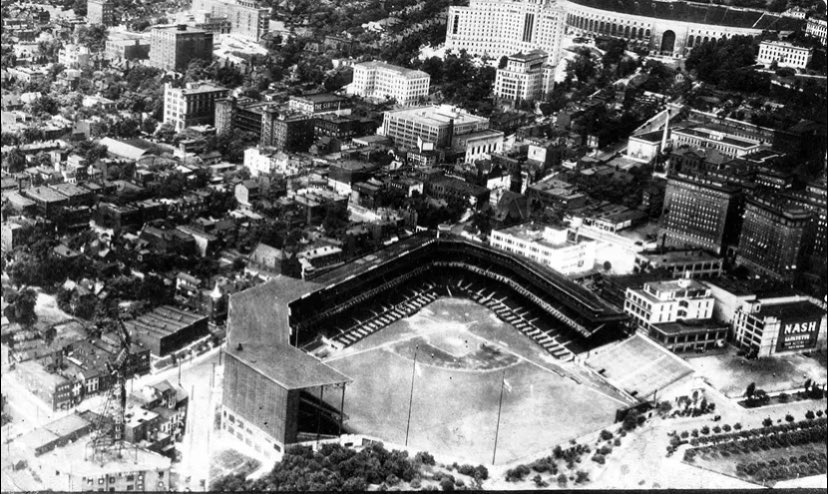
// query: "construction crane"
[[109, 436]]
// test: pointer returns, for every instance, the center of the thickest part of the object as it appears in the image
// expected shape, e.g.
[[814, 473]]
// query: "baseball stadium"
[[670, 27], [434, 342]]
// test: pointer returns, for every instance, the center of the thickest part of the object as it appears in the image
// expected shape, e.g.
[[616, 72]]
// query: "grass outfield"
[[454, 410]]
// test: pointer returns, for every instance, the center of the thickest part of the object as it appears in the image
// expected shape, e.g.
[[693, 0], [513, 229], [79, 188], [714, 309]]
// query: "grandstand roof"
[[259, 315], [259, 335], [288, 366]]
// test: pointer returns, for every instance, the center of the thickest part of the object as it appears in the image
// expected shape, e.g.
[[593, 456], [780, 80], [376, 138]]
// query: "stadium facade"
[[268, 376], [670, 27]]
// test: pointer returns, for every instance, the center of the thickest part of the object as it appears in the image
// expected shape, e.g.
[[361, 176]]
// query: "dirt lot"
[[731, 374]]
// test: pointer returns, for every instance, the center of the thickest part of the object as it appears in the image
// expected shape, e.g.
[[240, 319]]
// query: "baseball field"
[[465, 357]]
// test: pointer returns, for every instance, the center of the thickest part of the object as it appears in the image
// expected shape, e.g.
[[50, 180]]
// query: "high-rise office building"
[[500, 28], [698, 212], [773, 237], [527, 76], [174, 47]]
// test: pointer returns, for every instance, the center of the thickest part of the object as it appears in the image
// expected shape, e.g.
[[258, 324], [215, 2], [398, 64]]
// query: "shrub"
[[809, 415], [727, 428], [737, 426], [416, 484], [784, 397], [717, 429], [617, 441], [599, 458], [581, 477], [606, 435], [466, 470], [789, 417], [424, 458], [767, 422], [447, 485], [705, 430], [562, 480], [685, 434], [392, 480], [605, 450], [481, 472], [819, 413], [539, 482], [695, 433]]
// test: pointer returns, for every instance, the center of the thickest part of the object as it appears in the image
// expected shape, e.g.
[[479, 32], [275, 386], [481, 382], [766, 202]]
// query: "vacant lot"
[[456, 392], [732, 375]]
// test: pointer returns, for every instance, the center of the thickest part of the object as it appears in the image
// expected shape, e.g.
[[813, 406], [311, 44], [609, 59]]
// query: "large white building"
[[266, 161], [500, 28], [527, 76], [381, 80], [74, 56], [784, 54], [552, 247], [817, 28], [194, 104], [669, 301]]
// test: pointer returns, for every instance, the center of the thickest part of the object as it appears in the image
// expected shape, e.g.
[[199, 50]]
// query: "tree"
[[15, 161], [21, 307], [751, 389], [92, 36]]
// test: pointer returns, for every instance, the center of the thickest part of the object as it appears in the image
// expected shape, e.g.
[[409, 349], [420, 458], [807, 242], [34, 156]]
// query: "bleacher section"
[[639, 366]]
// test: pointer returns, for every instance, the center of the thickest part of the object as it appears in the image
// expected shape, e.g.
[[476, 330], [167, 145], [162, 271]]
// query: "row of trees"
[[334, 467], [766, 438]]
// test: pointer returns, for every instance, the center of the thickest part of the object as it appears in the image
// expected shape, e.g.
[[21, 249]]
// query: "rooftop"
[[70, 190], [674, 256], [791, 310], [67, 425], [437, 115], [712, 135], [45, 194], [163, 320], [689, 326], [407, 73]]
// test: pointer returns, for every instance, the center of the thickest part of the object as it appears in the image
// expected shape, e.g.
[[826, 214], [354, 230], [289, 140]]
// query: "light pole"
[[499, 409], [411, 394]]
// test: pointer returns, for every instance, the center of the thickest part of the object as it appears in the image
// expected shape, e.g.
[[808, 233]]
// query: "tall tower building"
[[500, 28], [174, 47], [100, 12], [773, 237], [700, 212]]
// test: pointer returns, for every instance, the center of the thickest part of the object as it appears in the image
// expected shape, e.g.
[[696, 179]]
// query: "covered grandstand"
[[372, 292]]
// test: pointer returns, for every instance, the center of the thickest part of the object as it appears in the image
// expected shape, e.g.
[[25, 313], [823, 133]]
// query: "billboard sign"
[[797, 335]]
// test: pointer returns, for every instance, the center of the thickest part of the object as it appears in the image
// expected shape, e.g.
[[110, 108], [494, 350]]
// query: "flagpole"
[[499, 409], [411, 394]]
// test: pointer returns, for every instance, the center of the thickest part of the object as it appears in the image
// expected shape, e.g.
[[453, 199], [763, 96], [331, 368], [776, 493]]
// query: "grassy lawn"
[[454, 410], [727, 465], [228, 462]]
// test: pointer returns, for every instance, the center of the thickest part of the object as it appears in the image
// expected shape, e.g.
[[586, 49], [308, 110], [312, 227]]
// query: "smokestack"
[[666, 130]]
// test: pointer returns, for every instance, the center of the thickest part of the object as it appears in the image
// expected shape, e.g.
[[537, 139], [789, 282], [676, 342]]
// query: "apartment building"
[[380, 80]]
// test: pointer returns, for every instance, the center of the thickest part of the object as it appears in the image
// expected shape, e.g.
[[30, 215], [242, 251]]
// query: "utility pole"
[[411, 394], [499, 409]]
